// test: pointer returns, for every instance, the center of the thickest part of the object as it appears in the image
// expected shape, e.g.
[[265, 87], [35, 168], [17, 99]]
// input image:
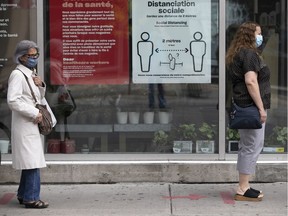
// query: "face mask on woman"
[[31, 62], [259, 40]]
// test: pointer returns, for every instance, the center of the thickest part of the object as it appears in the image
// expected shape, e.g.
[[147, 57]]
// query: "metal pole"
[[222, 79]]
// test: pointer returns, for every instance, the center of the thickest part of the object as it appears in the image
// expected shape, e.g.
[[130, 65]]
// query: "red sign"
[[89, 42]]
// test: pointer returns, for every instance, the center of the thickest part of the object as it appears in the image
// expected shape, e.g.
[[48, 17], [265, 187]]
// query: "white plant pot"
[[164, 117], [122, 117], [182, 146], [148, 117], [205, 146], [4, 146], [134, 117]]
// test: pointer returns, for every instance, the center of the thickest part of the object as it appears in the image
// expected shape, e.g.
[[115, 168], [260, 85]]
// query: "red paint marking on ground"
[[190, 196], [6, 198], [227, 198]]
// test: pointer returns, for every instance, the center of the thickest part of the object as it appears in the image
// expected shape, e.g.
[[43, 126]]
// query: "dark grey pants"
[[250, 146]]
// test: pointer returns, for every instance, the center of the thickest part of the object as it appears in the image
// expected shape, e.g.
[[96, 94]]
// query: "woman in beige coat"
[[27, 146]]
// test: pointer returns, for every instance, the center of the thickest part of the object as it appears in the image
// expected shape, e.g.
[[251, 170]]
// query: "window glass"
[[272, 17], [112, 113], [18, 22], [103, 109]]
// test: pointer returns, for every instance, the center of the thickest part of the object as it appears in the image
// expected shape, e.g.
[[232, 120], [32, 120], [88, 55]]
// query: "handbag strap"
[[32, 92]]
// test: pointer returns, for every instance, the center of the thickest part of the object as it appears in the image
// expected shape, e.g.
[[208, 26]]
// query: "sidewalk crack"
[[171, 204]]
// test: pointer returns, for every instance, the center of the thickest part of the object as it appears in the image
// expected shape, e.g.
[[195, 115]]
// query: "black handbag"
[[244, 117]]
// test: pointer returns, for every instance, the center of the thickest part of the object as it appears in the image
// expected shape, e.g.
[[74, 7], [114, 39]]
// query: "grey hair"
[[22, 49]]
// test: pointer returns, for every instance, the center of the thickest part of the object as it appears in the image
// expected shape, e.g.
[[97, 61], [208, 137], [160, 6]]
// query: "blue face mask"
[[259, 40], [31, 62]]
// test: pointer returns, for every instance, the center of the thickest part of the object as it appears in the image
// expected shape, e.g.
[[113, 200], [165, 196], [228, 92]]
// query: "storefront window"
[[17, 22], [141, 76], [272, 16], [160, 90]]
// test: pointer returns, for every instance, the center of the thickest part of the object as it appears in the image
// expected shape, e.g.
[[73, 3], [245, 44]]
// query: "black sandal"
[[37, 204], [257, 191], [249, 195]]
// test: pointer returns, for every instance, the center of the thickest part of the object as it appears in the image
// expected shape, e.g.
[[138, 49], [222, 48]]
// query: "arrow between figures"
[[171, 50]]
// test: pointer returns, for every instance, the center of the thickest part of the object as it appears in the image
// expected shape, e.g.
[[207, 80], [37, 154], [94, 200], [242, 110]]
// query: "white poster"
[[171, 41]]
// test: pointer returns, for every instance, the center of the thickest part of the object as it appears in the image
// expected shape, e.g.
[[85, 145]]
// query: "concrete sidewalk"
[[153, 199]]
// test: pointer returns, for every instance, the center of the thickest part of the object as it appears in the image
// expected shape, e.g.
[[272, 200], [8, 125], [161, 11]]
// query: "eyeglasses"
[[34, 56]]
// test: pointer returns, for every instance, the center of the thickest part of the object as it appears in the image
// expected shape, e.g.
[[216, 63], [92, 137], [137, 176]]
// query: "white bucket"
[[164, 117], [122, 117], [148, 117], [4, 146], [134, 117]]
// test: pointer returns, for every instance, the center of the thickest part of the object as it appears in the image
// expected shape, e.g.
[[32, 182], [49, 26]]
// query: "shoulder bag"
[[244, 117], [46, 125]]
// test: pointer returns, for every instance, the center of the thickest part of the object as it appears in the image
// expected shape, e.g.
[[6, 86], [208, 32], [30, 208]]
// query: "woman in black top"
[[251, 84]]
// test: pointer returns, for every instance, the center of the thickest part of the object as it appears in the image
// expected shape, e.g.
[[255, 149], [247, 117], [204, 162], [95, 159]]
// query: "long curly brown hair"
[[244, 38]]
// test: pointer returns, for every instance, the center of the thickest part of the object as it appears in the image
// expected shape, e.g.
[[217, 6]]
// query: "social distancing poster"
[[171, 41]]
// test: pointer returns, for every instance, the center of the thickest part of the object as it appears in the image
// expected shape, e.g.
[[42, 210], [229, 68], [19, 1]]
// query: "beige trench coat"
[[26, 142]]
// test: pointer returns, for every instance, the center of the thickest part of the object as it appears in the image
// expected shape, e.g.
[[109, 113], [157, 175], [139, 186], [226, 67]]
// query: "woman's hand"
[[263, 116], [37, 80], [38, 118]]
